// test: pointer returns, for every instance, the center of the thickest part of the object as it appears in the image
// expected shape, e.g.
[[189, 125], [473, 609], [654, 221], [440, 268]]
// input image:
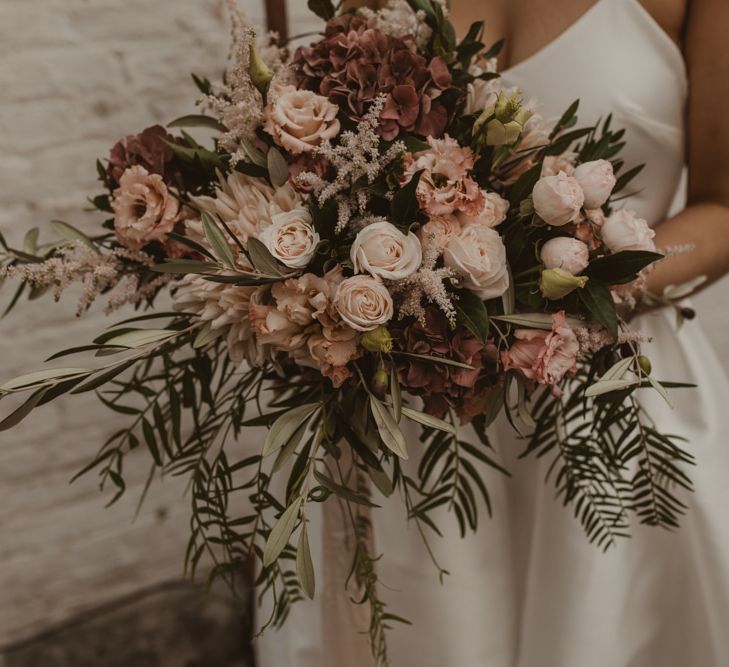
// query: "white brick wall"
[[75, 75]]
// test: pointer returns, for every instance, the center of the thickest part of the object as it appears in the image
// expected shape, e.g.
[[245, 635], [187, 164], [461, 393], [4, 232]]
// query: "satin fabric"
[[528, 590]]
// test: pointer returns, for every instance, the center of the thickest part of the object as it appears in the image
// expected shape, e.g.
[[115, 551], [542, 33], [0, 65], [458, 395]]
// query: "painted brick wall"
[[75, 75]]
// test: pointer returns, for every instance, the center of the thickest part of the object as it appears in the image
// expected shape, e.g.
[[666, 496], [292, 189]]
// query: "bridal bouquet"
[[379, 233]]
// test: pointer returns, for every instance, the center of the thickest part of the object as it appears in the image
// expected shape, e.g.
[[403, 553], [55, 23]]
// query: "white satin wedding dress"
[[528, 590]]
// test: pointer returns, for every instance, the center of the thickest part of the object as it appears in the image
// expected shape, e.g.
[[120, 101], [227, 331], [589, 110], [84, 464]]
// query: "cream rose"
[[565, 253], [144, 211], [597, 180], [558, 199], [291, 238], [478, 255], [382, 250], [299, 120], [623, 230], [363, 303]]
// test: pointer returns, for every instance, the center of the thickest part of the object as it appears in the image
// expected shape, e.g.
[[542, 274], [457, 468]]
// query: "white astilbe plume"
[[237, 103], [398, 19], [426, 284], [356, 156], [224, 309], [78, 263]]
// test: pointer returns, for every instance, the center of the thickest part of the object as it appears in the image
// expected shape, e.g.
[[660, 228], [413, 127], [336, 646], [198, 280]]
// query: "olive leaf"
[[279, 537], [286, 426], [304, 564], [389, 431]]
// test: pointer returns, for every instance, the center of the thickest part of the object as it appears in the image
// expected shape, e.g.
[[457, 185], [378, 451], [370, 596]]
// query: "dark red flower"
[[444, 387], [147, 149]]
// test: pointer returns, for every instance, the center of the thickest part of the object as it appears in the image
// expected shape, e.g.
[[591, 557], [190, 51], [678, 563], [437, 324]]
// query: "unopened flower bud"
[[558, 283], [645, 364], [380, 383], [377, 340], [259, 72]]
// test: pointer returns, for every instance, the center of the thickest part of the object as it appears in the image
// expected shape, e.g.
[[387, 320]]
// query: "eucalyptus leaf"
[[279, 537], [429, 420], [304, 564], [285, 426], [388, 429]]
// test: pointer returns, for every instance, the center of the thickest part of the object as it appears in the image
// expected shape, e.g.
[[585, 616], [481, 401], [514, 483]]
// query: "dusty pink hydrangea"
[[144, 210], [355, 63], [544, 356], [445, 187]]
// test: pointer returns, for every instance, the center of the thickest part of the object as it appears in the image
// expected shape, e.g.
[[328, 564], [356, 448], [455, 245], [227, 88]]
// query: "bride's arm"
[[705, 222]]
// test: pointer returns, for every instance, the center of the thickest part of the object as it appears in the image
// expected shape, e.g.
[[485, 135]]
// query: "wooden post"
[[276, 18]]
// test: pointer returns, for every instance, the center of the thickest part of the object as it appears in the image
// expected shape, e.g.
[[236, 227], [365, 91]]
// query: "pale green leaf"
[[19, 414], [388, 429], [279, 537], [218, 241], [286, 426], [304, 564], [428, 420], [436, 360], [254, 155], [396, 394], [661, 390], [197, 120], [605, 387], [70, 233], [140, 338], [41, 377], [262, 259], [536, 320], [278, 169]]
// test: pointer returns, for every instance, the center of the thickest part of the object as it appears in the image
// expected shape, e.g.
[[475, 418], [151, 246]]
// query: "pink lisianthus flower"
[[144, 210], [544, 356], [444, 187]]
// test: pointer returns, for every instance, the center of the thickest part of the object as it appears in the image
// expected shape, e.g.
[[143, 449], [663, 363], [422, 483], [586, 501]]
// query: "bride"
[[529, 590]]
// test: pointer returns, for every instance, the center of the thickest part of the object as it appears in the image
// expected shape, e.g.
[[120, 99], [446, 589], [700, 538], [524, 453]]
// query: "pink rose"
[[144, 211], [299, 120], [478, 256], [597, 180], [558, 199], [363, 303], [382, 250], [544, 356], [623, 230], [553, 164], [565, 253]]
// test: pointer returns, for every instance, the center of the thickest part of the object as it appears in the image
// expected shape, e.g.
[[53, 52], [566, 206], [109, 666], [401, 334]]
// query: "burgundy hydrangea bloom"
[[147, 149], [441, 386], [355, 63]]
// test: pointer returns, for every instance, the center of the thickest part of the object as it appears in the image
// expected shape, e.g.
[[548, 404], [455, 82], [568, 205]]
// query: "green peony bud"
[[377, 340], [259, 72], [558, 283]]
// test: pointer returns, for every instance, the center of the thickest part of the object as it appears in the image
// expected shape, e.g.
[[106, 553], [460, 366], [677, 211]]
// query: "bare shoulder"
[[670, 15]]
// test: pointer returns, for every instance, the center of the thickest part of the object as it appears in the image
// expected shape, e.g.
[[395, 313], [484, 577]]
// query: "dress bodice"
[[618, 60]]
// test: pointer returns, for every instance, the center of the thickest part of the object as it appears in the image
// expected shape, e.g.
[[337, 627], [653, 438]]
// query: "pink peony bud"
[[558, 199], [597, 181], [565, 253], [623, 230]]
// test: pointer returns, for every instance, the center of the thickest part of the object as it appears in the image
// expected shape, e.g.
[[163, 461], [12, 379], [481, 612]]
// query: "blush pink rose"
[[438, 231], [299, 120], [544, 356], [558, 199], [144, 210], [383, 251], [363, 302], [492, 214]]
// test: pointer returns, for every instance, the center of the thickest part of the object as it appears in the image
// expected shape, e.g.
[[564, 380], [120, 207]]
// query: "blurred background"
[[82, 585]]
